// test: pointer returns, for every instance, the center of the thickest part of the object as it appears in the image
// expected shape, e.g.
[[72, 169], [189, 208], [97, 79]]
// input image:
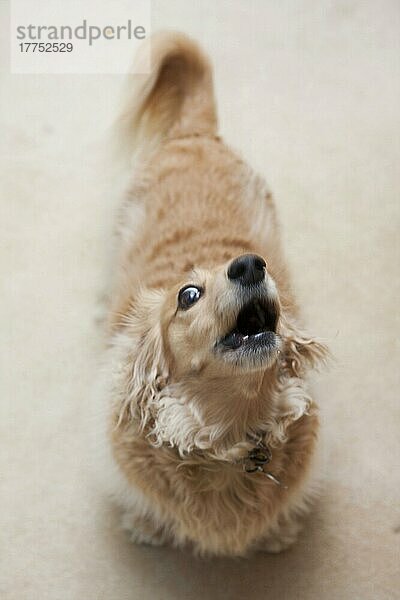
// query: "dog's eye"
[[188, 296]]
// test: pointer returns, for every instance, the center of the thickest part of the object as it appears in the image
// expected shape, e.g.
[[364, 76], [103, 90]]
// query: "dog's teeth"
[[233, 340]]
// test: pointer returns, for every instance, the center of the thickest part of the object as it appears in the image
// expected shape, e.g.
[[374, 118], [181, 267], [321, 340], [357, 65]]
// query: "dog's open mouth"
[[255, 326]]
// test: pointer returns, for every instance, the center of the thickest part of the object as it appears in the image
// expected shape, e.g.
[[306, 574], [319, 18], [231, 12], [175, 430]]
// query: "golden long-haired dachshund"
[[210, 427]]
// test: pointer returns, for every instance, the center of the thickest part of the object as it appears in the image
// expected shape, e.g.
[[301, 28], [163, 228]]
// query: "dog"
[[210, 427]]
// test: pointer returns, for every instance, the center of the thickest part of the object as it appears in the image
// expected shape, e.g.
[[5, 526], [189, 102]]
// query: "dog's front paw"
[[280, 538], [143, 531]]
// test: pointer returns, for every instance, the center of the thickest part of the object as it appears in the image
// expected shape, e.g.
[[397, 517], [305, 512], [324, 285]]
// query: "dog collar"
[[256, 461]]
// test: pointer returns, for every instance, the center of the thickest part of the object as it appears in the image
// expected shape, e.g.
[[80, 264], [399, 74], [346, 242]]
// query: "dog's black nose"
[[247, 269]]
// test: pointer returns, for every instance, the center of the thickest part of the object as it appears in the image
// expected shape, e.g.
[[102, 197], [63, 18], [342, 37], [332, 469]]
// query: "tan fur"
[[180, 417]]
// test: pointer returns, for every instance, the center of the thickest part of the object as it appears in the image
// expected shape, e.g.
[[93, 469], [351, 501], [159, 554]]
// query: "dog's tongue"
[[235, 339]]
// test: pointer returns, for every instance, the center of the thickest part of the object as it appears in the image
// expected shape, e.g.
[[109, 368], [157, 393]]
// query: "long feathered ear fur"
[[149, 370], [300, 351]]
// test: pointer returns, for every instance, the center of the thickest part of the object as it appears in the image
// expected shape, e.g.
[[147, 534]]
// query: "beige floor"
[[309, 92]]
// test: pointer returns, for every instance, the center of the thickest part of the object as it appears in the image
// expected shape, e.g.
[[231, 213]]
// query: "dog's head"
[[216, 323], [190, 353]]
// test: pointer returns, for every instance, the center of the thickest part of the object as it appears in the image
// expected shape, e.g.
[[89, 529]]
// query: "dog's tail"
[[174, 99]]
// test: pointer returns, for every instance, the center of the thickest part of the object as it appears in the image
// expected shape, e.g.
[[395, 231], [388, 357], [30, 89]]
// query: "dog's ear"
[[174, 99], [148, 365], [300, 351]]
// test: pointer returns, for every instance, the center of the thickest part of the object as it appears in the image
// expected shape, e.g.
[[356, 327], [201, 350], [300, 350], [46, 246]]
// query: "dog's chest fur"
[[206, 502]]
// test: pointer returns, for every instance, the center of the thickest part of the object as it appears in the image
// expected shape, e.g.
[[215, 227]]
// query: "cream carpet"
[[309, 92]]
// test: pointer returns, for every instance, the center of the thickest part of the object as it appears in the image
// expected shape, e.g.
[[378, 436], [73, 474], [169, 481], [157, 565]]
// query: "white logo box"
[[78, 36]]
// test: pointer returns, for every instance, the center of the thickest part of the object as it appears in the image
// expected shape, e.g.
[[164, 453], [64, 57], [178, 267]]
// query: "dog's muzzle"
[[252, 334]]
